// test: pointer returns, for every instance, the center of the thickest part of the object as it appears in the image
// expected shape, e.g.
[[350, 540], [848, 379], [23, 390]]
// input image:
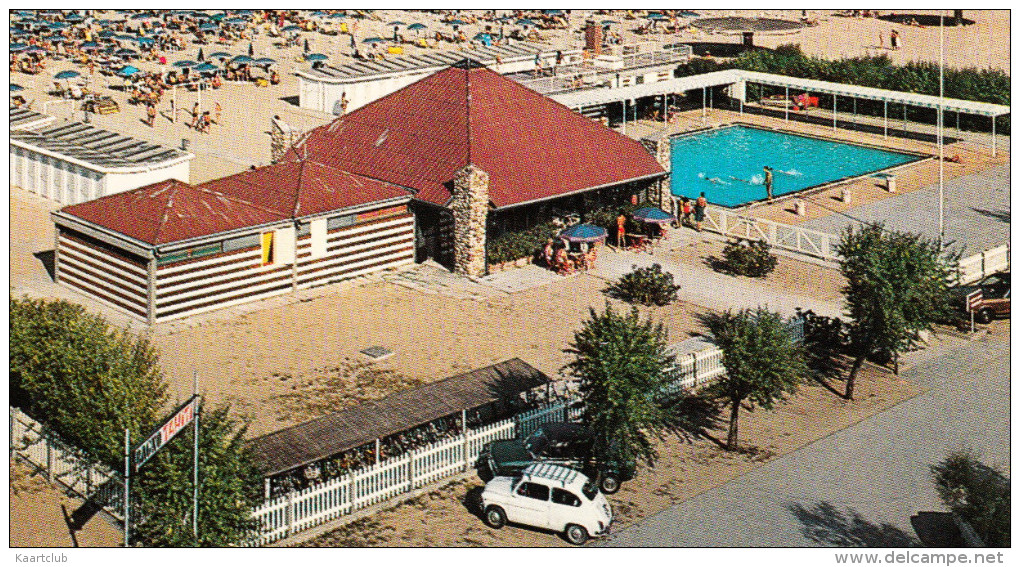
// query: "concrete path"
[[977, 211], [862, 485]]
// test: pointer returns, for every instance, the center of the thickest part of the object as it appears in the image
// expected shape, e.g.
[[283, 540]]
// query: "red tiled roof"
[[531, 146], [172, 211]]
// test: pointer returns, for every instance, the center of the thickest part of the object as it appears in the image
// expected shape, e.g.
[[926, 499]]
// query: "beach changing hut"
[[71, 162], [172, 249]]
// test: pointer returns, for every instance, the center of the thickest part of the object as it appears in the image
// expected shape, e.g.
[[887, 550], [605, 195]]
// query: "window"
[[560, 496], [318, 231], [533, 490], [341, 221], [241, 242]]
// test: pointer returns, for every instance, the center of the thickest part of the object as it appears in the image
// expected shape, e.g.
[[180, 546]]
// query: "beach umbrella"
[[373, 40], [144, 40], [56, 25], [220, 55], [243, 12], [124, 37], [552, 12], [16, 88], [653, 215], [142, 16], [241, 60], [35, 49], [416, 26], [56, 38], [583, 233], [456, 23], [107, 33], [315, 57], [291, 27], [236, 21], [206, 68], [396, 23], [208, 26], [128, 70], [655, 16], [185, 63], [337, 16], [484, 38], [89, 46], [126, 52], [609, 22], [67, 75], [18, 46]]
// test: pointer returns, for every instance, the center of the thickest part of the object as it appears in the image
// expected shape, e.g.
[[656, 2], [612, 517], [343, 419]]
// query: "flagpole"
[[127, 487], [194, 512], [942, 63]]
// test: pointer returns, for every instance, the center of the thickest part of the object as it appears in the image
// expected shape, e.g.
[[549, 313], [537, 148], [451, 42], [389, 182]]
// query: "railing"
[[62, 462], [976, 267], [784, 236]]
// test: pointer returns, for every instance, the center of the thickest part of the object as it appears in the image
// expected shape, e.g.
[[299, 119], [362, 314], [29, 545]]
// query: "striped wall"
[[112, 277], [374, 240]]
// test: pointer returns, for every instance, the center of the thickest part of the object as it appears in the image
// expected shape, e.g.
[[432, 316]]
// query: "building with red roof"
[[470, 153], [173, 249], [538, 155]]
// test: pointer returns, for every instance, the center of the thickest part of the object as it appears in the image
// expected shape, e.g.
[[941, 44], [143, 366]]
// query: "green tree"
[[622, 365], [896, 287], [763, 364], [86, 379], [977, 493], [229, 487]]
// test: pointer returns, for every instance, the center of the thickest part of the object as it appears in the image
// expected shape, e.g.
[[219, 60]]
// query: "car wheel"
[[576, 534], [609, 484], [984, 316], [495, 517], [485, 473]]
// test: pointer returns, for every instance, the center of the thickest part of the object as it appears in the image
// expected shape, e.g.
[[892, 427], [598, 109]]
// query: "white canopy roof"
[[592, 97]]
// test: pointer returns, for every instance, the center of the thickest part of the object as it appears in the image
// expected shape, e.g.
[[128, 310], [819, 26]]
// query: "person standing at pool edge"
[[768, 182], [699, 210]]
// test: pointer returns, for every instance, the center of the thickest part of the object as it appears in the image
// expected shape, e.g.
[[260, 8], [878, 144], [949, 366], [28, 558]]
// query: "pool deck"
[[978, 186]]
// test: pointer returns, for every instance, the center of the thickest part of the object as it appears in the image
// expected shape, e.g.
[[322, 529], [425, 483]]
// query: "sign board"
[[170, 428], [974, 300]]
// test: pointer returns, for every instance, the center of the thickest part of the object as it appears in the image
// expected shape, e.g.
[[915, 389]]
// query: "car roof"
[[564, 476], [561, 430]]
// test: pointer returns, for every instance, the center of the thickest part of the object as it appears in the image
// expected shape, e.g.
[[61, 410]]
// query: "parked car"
[[564, 444], [995, 297], [551, 497]]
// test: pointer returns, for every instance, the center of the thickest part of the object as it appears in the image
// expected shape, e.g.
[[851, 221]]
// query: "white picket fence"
[[976, 267], [297, 511], [60, 461]]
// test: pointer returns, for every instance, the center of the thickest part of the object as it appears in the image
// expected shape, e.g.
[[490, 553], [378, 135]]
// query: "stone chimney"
[[661, 149], [282, 136], [470, 207]]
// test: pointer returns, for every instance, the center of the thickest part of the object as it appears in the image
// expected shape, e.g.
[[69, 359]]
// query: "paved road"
[[860, 486]]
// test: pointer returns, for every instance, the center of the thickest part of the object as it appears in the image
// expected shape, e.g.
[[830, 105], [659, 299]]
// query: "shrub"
[[512, 246], [749, 258], [978, 494], [647, 286]]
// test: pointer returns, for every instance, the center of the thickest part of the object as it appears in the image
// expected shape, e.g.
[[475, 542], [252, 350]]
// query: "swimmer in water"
[[717, 181], [790, 172]]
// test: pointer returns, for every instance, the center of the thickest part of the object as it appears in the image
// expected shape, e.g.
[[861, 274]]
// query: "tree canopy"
[[763, 364], [897, 285], [622, 365]]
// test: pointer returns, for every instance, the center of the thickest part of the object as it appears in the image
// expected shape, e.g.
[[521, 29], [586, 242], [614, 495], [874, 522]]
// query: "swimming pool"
[[727, 163]]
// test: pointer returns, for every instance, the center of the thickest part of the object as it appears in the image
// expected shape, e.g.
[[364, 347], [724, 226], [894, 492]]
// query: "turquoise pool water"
[[727, 164]]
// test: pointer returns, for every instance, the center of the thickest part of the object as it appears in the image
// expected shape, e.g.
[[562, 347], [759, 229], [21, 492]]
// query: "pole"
[[127, 487], [787, 105], [704, 116], [885, 119], [665, 111], [194, 512], [993, 136], [624, 116], [834, 97], [942, 55]]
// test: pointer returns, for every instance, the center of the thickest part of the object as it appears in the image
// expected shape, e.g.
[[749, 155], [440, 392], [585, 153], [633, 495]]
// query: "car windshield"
[[536, 443], [590, 490]]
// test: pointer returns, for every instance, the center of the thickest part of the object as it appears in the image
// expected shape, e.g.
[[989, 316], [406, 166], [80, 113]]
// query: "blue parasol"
[[220, 55], [373, 40], [67, 74], [205, 68], [16, 88], [525, 22], [240, 60], [456, 23], [655, 16], [208, 26], [18, 46], [396, 23], [416, 26], [128, 70], [314, 57], [271, 61], [653, 215], [185, 63], [583, 233], [291, 28]]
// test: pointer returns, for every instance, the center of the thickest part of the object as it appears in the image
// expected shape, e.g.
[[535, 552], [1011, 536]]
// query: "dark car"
[[566, 444], [995, 301]]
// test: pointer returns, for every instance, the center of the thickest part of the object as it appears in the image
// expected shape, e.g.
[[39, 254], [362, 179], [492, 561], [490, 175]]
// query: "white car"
[[551, 497]]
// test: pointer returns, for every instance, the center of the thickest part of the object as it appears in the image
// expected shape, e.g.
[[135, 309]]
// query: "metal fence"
[[62, 462], [976, 267], [784, 236]]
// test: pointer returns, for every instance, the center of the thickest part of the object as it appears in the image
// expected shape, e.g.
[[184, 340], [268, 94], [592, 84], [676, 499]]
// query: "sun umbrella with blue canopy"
[[205, 68], [56, 25], [552, 12], [652, 215], [145, 40], [396, 23], [220, 55], [655, 16], [236, 21], [416, 26], [584, 233], [185, 63], [485, 38], [107, 33], [456, 23], [315, 57], [67, 75], [74, 17], [241, 60], [291, 28], [16, 88], [208, 26], [373, 40], [18, 46], [142, 16], [128, 70], [270, 60], [609, 22]]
